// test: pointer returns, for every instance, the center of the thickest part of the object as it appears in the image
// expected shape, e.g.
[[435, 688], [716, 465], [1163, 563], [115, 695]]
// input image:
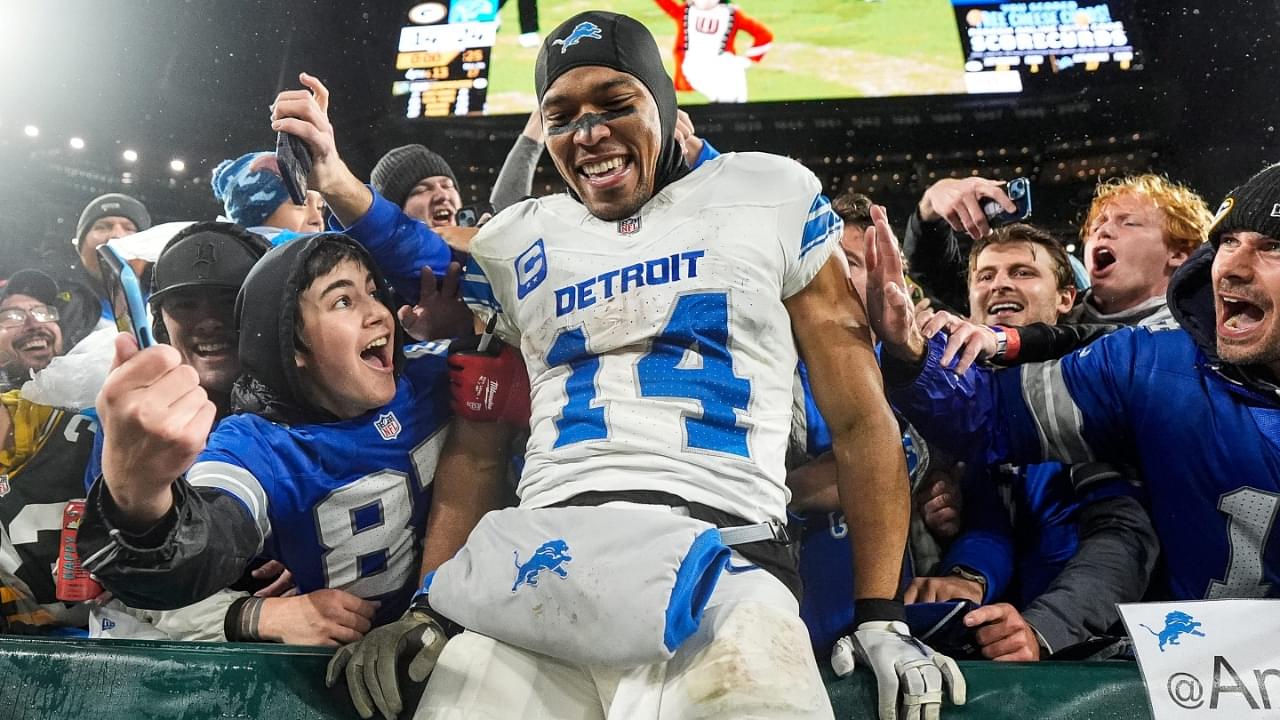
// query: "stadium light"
[[31, 131], [77, 143], [130, 155], [177, 165]]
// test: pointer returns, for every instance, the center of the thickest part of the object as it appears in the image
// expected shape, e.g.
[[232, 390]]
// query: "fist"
[[155, 420]]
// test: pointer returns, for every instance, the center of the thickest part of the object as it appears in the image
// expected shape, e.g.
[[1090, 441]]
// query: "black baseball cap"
[[32, 283], [215, 255]]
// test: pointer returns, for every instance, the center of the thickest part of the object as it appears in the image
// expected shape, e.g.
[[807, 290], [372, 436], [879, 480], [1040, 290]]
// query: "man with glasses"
[[30, 336]]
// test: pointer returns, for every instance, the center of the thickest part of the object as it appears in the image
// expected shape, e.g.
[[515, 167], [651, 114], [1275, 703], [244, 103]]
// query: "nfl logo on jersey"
[[630, 226], [4, 485], [388, 426]]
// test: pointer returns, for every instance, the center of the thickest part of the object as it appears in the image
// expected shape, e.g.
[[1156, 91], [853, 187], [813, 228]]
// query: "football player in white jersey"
[[659, 312]]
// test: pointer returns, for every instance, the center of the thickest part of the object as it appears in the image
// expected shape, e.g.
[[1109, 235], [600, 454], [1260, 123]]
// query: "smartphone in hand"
[[294, 158], [470, 215], [124, 294], [1019, 191], [941, 626]]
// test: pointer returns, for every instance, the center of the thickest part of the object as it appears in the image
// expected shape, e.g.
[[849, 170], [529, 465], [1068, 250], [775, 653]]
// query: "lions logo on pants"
[[551, 555]]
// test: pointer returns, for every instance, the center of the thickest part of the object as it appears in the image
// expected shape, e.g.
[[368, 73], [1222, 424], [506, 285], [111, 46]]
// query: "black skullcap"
[[1254, 206], [619, 42], [401, 169]]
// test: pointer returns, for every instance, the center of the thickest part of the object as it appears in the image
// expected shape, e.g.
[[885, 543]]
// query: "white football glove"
[[900, 661]]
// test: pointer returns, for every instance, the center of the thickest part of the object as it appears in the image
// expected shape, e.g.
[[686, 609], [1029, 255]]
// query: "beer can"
[[73, 583]]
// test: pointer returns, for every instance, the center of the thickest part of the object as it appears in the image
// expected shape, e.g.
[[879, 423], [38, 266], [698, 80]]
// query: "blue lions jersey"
[[342, 504], [826, 557], [1208, 448]]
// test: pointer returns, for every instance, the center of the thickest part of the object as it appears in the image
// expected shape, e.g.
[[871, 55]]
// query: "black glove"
[[373, 663]]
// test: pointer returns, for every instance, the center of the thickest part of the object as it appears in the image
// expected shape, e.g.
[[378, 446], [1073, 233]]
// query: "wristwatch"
[[1002, 342], [969, 574]]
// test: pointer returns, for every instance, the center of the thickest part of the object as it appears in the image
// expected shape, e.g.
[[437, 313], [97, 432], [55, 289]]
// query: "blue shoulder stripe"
[[822, 221], [476, 289]]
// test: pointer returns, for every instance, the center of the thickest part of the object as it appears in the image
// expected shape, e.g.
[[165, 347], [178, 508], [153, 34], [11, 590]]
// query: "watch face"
[[971, 576]]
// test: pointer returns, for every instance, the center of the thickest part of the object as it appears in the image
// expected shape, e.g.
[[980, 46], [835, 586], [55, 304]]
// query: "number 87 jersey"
[[659, 352]]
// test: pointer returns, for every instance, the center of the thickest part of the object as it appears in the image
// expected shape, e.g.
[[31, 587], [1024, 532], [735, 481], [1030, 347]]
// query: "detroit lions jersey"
[[659, 352], [1208, 447], [341, 504], [826, 556]]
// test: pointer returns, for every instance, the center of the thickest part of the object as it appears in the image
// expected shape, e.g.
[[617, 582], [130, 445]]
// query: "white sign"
[[453, 37], [1208, 659]]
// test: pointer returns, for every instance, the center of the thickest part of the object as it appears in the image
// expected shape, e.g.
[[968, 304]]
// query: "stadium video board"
[[471, 57]]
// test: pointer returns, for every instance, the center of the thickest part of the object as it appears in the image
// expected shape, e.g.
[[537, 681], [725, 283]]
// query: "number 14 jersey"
[[659, 352]]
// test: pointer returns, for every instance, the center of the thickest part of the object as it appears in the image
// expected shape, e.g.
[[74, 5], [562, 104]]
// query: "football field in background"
[[822, 49]]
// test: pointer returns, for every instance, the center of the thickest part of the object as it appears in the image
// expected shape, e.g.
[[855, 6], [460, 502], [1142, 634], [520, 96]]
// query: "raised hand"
[[959, 203], [889, 306], [155, 420], [305, 114], [440, 312]]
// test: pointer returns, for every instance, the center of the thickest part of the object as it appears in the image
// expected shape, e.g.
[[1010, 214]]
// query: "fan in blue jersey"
[[658, 312], [403, 216], [1195, 409], [326, 466], [1055, 548]]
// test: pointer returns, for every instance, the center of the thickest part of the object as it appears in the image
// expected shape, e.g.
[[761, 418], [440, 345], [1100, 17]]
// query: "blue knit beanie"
[[249, 188]]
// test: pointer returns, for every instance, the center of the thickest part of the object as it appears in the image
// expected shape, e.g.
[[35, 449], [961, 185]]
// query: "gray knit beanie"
[[401, 169], [113, 205]]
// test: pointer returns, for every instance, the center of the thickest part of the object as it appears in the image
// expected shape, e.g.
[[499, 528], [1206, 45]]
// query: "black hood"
[[266, 314], [1190, 299], [623, 44]]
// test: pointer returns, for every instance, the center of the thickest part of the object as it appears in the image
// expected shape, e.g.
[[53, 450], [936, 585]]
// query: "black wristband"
[[421, 603], [241, 622], [878, 610]]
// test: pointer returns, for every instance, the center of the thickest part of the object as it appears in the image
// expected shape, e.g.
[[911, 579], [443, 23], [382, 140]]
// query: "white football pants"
[[750, 658]]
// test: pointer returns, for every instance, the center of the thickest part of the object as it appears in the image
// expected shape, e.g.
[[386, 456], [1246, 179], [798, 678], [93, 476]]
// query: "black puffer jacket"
[[207, 540]]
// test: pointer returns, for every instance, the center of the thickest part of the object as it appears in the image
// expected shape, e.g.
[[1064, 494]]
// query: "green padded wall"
[[117, 680]]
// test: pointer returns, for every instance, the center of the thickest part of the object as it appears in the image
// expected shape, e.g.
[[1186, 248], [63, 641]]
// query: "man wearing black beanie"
[[1194, 408], [107, 217], [659, 312]]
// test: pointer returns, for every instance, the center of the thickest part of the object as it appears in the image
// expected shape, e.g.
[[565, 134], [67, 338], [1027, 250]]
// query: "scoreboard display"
[[1008, 43], [472, 57], [442, 60]]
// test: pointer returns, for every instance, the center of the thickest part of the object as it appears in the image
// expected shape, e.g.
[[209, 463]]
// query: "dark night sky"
[[193, 79], [187, 76]]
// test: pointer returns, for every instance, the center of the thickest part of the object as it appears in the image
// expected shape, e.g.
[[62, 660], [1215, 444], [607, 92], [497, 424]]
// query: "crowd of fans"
[[1076, 435]]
